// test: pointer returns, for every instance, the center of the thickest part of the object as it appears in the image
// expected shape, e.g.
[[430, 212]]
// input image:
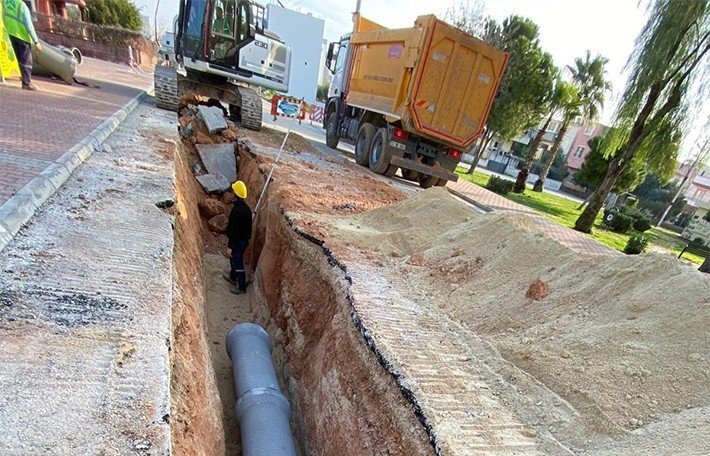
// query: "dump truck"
[[412, 99]]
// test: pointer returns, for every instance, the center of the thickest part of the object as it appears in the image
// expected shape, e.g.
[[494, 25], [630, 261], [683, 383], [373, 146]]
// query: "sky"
[[568, 28]]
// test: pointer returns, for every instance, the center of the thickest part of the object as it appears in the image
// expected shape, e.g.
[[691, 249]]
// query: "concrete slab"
[[213, 118], [85, 307], [214, 183], [219, 158]]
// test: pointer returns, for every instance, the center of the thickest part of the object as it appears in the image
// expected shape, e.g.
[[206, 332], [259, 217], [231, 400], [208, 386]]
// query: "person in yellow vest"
[[18, 23]]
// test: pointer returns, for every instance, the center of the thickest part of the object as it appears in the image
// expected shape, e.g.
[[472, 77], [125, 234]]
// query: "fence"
[[99, 41], [317, 113]]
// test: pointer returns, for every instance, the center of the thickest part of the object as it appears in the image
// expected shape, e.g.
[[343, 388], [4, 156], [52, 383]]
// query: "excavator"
[[222, 51]]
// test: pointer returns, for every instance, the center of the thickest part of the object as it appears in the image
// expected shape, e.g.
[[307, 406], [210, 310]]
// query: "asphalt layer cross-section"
[[85, 296]]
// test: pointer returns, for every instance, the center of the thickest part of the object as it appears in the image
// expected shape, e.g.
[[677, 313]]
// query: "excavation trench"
[[414, 326], [344, 401]]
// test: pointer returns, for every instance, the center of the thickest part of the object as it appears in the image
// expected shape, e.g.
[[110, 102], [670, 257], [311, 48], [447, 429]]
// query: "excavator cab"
[[228, 38]]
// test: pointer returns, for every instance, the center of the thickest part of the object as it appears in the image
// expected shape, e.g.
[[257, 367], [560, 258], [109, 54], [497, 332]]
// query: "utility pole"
[[700, 158], [155, 22]]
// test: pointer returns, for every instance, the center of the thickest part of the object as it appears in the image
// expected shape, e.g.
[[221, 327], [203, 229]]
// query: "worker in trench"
[[18, 23], [238, 235]]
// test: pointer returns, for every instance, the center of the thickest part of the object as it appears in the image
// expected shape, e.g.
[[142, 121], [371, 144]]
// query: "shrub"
[[500, 186], [631, 212], [642, 224], [322, 92], [620, 223], [636, 245]]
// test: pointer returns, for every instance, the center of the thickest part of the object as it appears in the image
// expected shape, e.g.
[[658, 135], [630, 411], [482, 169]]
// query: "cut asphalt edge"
[[20, 208]]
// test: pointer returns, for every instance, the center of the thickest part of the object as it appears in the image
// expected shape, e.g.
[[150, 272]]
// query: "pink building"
[[580, 146]]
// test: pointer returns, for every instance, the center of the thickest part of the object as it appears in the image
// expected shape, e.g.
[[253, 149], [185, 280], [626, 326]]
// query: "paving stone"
[[39, 127], [219, 158], [213, 118], [213, 182]]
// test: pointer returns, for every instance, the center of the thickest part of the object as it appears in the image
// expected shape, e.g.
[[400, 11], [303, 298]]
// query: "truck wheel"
[[331, 132], [379, 153], [363, 144], [391, 171], [409, 174], [441, 183], [426, 181]]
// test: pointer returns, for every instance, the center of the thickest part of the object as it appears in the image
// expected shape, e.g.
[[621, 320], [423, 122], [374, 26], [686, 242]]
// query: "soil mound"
[[623, 339]]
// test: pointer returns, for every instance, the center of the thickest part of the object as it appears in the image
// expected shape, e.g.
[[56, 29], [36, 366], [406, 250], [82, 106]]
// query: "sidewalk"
[[85, 305], [579, 242], [38, 128]]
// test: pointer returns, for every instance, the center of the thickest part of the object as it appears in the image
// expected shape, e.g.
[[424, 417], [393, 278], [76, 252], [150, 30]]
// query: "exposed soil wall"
[[196, 416], [348, 403]]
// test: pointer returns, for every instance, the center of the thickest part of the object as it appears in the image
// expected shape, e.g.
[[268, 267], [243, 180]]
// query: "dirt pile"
[[622, 339]]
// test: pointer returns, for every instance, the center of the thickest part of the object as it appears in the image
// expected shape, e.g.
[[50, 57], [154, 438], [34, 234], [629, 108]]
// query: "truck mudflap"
[[424, 169]]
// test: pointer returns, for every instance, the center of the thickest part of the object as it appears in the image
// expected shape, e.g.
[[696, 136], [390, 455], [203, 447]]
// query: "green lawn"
[[564, 212]]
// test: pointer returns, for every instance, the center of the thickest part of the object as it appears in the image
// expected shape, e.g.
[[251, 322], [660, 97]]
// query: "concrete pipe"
[[263, 412], [53, 61]]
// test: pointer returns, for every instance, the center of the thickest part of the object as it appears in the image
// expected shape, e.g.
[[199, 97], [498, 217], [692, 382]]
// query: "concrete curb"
[[19, 209], [470, 200]]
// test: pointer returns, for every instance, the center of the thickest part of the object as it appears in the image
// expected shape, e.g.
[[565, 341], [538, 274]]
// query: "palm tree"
[[554, 103], [588, 76]]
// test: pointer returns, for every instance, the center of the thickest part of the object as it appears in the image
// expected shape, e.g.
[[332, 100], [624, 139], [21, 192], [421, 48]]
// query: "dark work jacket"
[[239, 227]]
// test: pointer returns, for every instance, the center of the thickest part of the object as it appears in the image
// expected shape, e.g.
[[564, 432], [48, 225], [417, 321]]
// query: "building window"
[[589, 129], [553, 127], [578, 153]]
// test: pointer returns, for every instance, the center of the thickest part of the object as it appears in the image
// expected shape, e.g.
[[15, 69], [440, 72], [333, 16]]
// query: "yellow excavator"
[[222, 51]]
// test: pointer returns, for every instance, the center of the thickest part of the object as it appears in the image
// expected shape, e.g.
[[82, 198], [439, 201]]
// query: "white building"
[[303, 33], [699, 226]]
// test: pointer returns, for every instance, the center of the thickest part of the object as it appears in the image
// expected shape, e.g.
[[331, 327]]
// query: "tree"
[[322, 92], [592, 172], [589, 78], [666, 56], [554, 102], [116, 13], [655, 193], [571, 106], [525, 85], [468, 17]]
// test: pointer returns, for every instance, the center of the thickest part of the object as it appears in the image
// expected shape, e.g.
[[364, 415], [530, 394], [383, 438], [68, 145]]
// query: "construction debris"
[[211, 207], [213, 183], [218, 223], [219, 158], [213, 118]]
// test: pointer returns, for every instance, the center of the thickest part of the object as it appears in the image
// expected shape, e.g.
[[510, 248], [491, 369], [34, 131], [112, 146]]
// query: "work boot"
[[229, 279], [237, 291], [29, 87]]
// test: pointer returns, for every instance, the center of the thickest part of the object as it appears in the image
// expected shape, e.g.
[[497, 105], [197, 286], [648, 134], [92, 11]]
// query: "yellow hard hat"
[[240, 189]]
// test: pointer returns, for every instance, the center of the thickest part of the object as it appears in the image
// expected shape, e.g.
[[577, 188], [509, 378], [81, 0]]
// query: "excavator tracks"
[[250, 108], [166, 88], [244, 103]]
